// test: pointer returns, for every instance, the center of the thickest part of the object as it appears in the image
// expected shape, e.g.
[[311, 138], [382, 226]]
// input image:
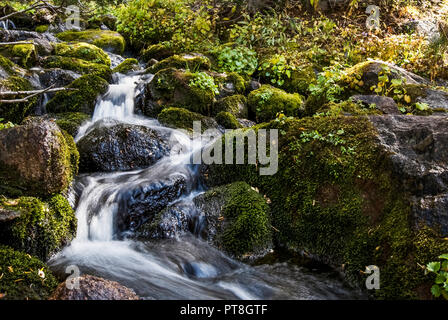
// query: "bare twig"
[[30, 94], [12, 43]]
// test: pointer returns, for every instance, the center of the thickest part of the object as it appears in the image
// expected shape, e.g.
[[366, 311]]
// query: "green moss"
[[157, 51], [16, 112], [78, 65], [170, 87], [24, 277], [27, 54], [347, 107], [81, 100], [180, 118], [42, 28], [238, 82], [72, 154], [42, 227], [126, 66], [187, 62], [265, 103], [105, 39], [246, 226], [300, 79], [71, 121], [7, 65], [82, 50], [227, 120], [335, 195], [236, 105]]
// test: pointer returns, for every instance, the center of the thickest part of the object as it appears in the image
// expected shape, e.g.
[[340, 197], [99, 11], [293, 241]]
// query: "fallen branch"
[[35, 5], [14, 43], [30, 94]]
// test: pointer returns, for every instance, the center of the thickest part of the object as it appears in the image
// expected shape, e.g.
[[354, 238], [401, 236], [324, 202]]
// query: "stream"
[[185, 267]]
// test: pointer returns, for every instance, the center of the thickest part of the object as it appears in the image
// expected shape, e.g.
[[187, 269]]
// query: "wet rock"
[[23, 35], [419, 154], [246, 123], [435, 99], [121, 147], [142, 202], [94, 288], [385, 104], [57, 77], [36, 158], [171, 222]]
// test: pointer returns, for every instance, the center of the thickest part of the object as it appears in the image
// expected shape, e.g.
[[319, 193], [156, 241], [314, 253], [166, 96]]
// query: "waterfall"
[[7, 25], [184, 268]]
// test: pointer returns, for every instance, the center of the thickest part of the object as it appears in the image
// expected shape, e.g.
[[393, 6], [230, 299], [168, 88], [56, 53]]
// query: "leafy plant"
[[6, 125], [440, 269], [203, 81], [277, 70], [240, 59]]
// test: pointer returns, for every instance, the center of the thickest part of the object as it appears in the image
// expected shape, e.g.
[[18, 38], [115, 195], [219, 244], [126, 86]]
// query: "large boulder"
[[121, 147], [37, 158], [93, 288], [37, 227], [358, 191]]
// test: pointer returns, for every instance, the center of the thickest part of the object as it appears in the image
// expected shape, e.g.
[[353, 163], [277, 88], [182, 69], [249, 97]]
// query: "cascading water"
[[181, 268]]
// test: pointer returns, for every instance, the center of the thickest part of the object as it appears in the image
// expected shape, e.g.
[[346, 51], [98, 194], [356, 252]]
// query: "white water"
[[183, 268]]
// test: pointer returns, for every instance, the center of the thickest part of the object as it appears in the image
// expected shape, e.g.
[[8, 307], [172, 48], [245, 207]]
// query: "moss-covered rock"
[[26, 54], [126, 66], [238, 219], [16, 112], [82, 50], [171, 87], [36, 158], [157, 51], [236, 105], [42, 28], [70, 121], [78, 65], [105, 39], [24, 277], [180, 118], [227, 120], [41, 228], [337, 196], [81, 100], [6, 66], [266, 102], [191, 62]]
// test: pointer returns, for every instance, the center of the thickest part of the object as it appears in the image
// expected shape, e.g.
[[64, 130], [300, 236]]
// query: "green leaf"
[[436, 291], [433, 266], [444, 256], [440, 279]]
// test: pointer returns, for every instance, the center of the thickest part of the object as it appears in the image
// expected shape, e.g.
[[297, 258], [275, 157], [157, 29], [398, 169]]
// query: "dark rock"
[[419, 154], [141, 202], [252, 86], [57, 77], [171, 222], [8, 215], [94, 288], [121, 147], [385, 104], [36, 158], [246, 123], [435, 99]]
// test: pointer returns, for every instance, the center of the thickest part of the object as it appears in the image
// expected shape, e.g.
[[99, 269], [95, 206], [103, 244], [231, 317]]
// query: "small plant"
[[203, 81], [440, 269], [328, 84], [277, 70], [6, 125], [241, 60]]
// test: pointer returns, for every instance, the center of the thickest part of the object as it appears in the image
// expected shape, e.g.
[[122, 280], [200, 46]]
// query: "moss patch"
[[157, 51], [24, 277], [244, 227], [16, 112], [187, 62], [126, 66], [42, 228], [82, 50], [236, 105], [105, 39], [78, 65], [27, 54], [42, 28], [70, 121], [265, 103], [227, 120], [180, 118], [82, 100]]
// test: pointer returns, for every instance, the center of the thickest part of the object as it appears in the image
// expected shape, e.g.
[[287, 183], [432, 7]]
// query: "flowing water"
[[182, 268]]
